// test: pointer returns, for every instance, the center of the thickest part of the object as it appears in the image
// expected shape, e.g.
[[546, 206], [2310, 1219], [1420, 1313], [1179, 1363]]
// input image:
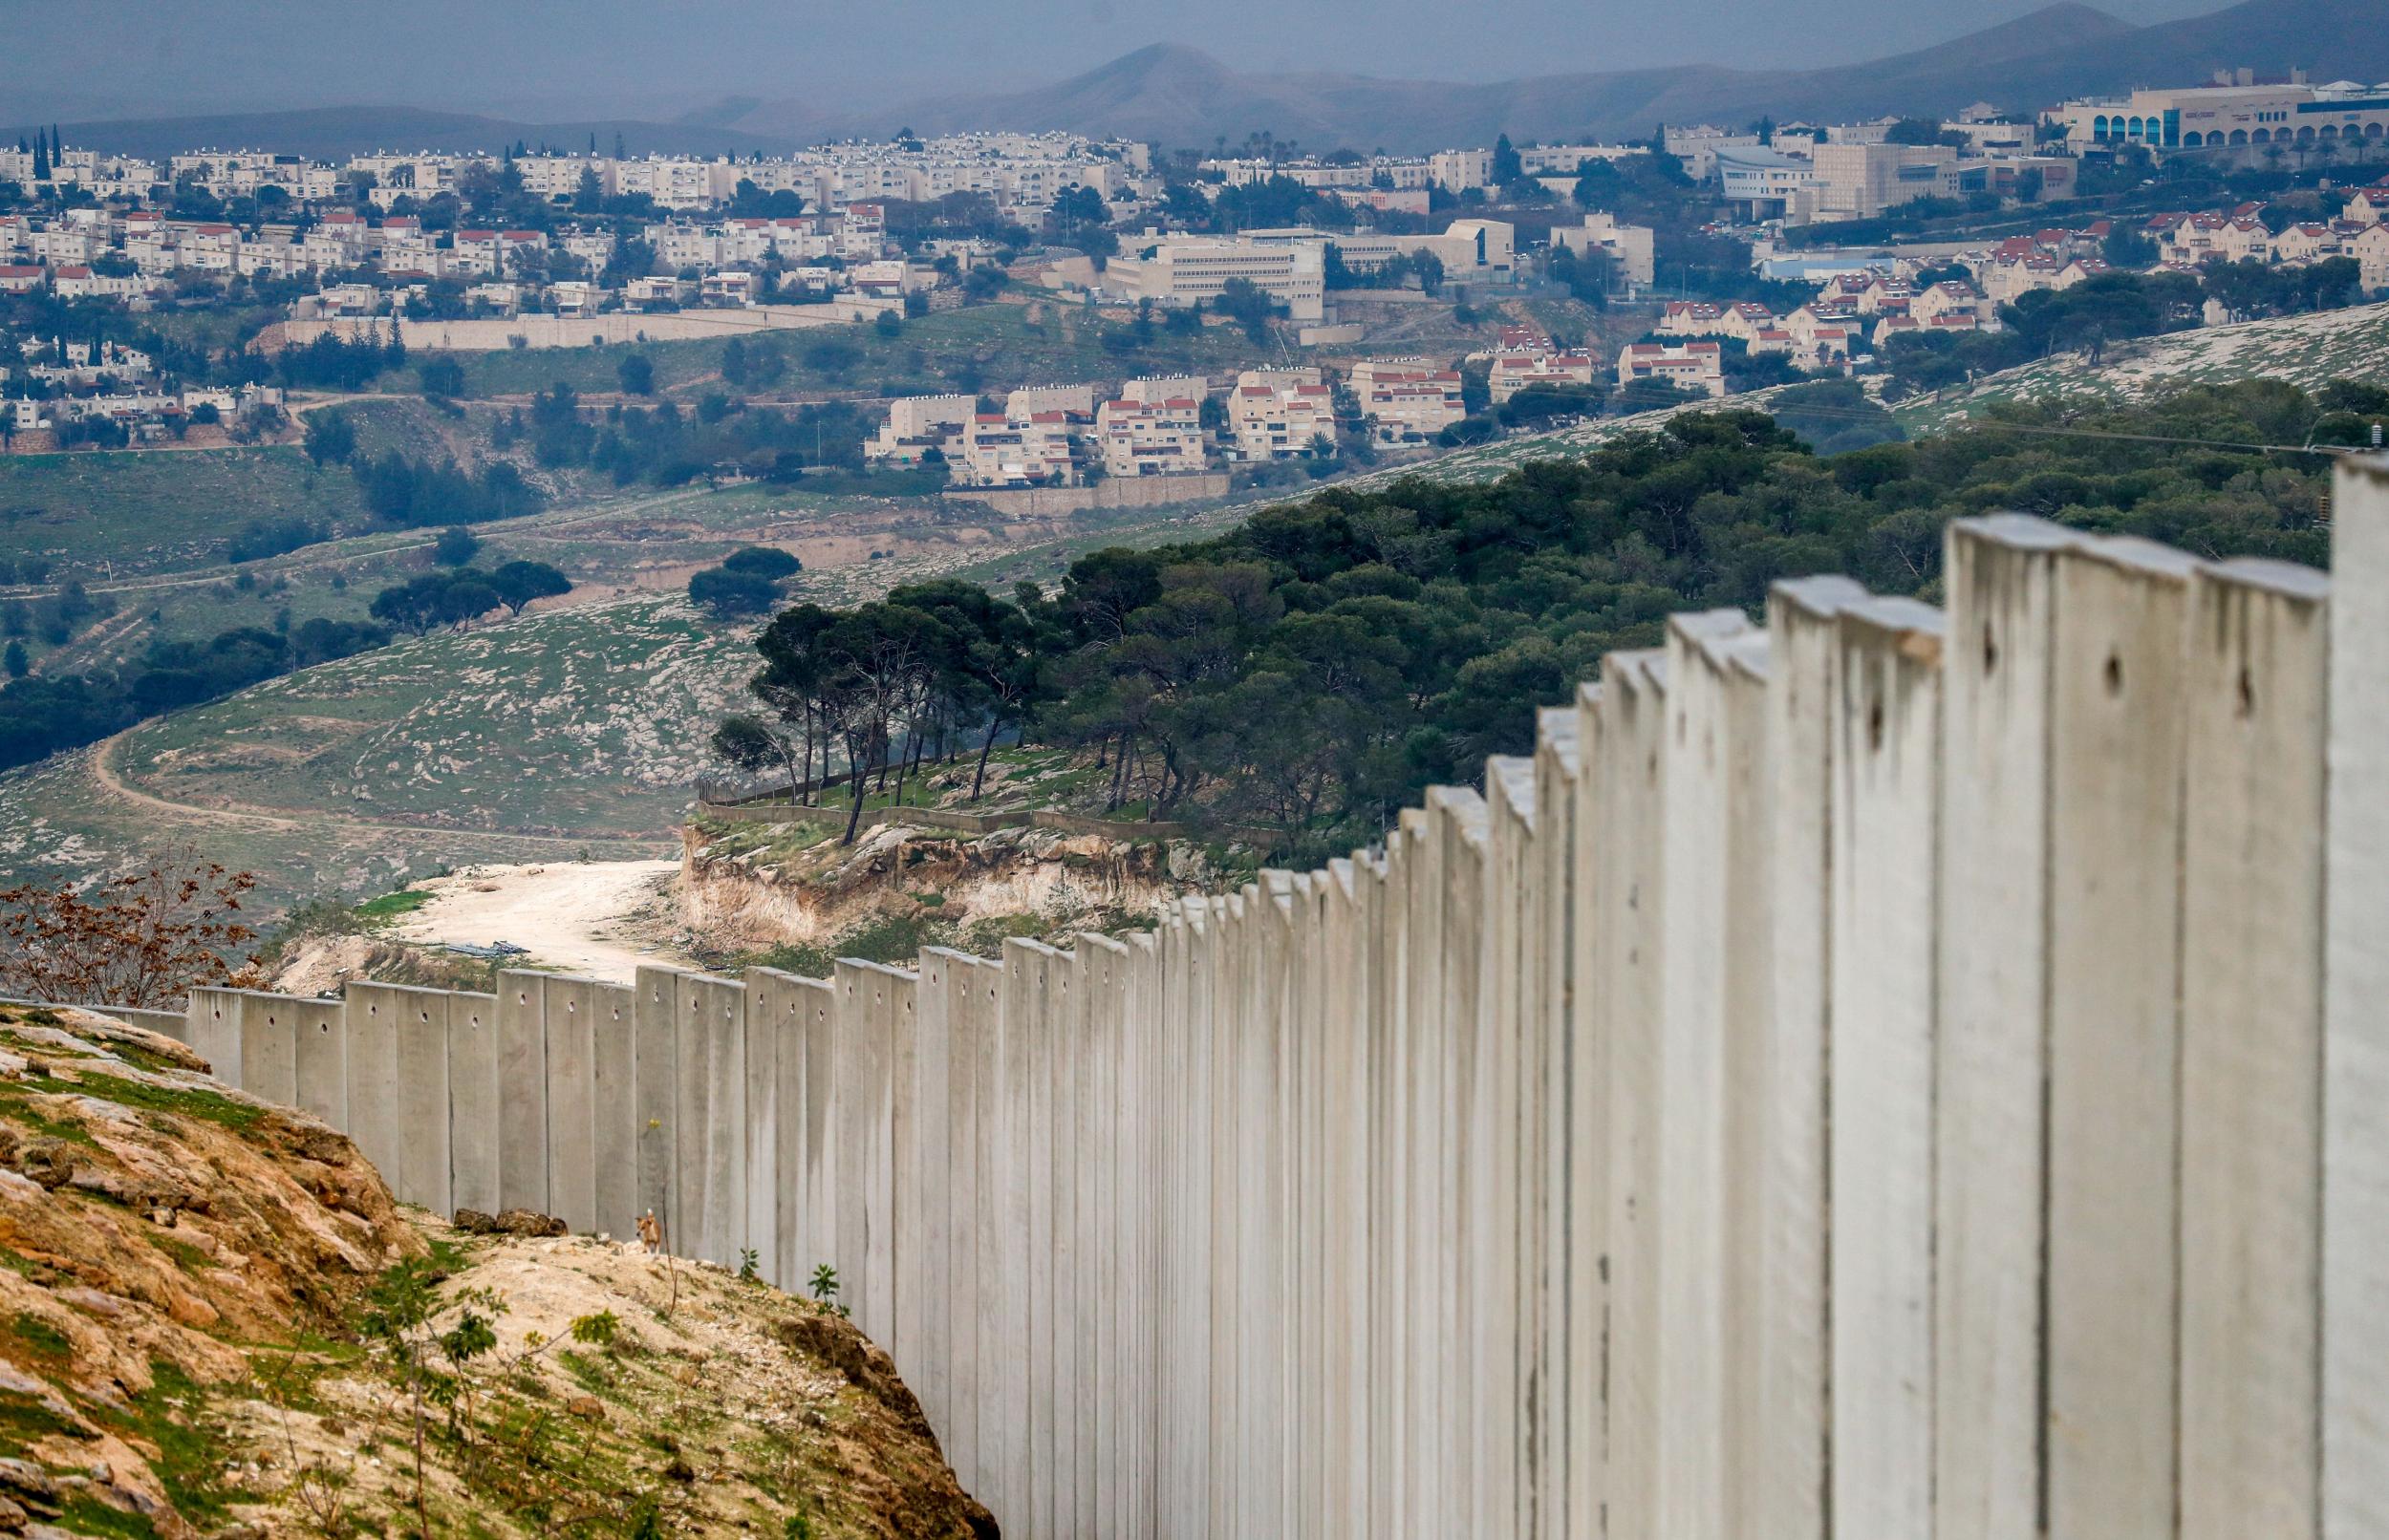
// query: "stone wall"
[[1113, 492], [616, 328], [1889, 1074]]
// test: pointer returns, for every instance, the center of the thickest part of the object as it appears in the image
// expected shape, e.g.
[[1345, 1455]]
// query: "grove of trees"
[[1316, 667]]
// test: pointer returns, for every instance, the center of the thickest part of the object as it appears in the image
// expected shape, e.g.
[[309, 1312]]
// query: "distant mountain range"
[[336, 133], [1183, 98]]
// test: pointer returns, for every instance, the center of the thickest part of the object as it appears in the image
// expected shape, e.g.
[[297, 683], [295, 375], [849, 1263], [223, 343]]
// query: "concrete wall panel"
[[2356, 1032], [1993, 985], [1803, 715], [614, 1121], [569, 1018], [270, 1048], [375, 1015], [2114, 1036], [655, 1044], [523, 1087], [322, 1068], [2252, 1051], [1886, 798], [475, 1105]]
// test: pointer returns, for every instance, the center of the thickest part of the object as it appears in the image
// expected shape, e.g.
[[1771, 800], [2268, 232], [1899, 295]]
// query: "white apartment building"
[[1280, 414], [1407, 400], [1566, 160], [2370, 248], [1697, 367], [676, 184], [1030, 400], [1192, 270], [1628, 246], [999, 449], [1513, 371], [1155, 389], [1457, 171], [916, 424], [1150, 437]]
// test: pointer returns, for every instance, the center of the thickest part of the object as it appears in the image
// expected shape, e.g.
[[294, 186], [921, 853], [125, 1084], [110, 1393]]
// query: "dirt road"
[[600, 919]]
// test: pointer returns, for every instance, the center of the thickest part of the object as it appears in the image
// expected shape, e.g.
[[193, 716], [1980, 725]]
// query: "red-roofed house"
[[1697, 367]]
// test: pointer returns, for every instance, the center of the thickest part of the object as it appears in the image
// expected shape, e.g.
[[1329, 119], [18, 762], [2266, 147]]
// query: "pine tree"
[[41, 158]]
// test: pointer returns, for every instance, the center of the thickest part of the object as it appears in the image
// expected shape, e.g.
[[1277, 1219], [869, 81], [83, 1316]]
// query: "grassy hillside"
[[552, 725], [569, 731], [136, 512]]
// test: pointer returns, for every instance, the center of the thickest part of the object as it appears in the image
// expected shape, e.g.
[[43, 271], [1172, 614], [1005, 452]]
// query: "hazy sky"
[[559, 59]]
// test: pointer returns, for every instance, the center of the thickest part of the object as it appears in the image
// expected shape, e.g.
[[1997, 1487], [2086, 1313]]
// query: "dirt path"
[[101, 760], [599, 919], [103, 769]]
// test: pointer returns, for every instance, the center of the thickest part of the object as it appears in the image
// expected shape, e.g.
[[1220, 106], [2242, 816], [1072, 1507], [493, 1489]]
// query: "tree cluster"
[[452, 595], [418, 492], [665, 445], [47, 713], [1317, 666]]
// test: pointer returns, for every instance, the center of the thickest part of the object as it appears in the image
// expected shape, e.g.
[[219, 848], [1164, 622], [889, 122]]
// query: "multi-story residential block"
[[1457, 171], [2306, 243], [1155, 389], [1150, 437], [2369, 205], [1697, 367], [1280, 414], [1407, 400], [1515, 372], [733, 288], [1950, 298], [575, 298], [1041, 448], [1627, 246], [2370, 248], [917, 424]]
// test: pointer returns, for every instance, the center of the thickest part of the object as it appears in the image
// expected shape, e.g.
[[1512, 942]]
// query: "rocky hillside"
[[790, 896], [214, 1320]]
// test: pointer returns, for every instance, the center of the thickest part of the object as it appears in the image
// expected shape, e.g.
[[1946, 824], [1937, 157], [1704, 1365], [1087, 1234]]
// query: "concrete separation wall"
[[1872, 1075]]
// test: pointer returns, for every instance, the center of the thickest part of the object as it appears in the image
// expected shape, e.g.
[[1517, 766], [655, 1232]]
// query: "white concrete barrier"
[[1879, 1075]]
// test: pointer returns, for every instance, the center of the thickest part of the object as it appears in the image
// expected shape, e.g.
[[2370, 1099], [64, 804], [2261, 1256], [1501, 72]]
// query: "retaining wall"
[[616, 327], [1111, 492], [1889, 1074]]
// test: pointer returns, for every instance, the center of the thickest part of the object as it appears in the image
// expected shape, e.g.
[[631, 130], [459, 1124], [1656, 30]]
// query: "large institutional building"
[[2227, 116]]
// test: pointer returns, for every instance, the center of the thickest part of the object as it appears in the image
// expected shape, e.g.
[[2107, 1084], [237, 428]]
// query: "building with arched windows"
[[2226, 116]]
